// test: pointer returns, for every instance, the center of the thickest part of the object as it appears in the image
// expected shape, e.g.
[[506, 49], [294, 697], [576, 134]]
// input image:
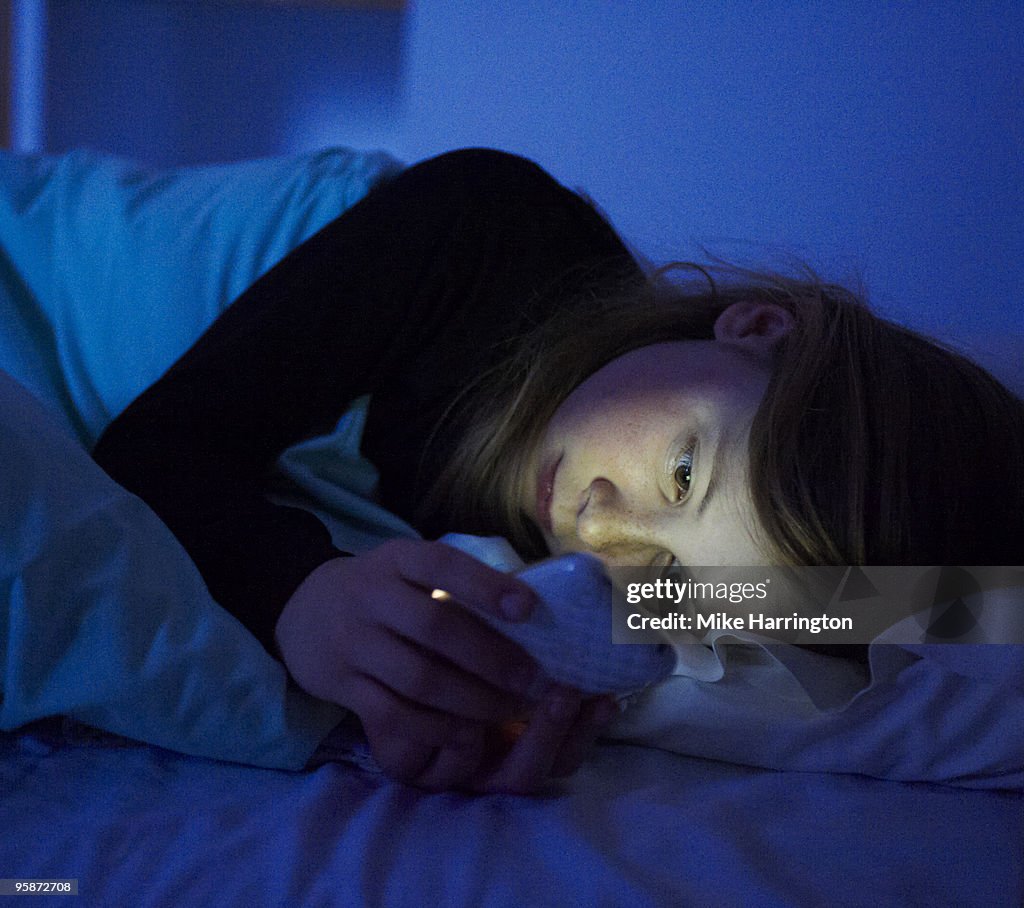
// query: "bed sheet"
[[141, 826]]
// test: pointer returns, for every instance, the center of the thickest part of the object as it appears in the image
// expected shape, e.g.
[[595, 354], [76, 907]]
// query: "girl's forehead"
[[694, 372], [687, 361]]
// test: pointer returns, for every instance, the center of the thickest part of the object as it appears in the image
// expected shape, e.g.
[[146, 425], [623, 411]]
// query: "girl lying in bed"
[[528, 380]]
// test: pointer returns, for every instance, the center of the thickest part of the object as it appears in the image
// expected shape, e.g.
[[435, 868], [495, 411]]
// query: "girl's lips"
[[546, 492]]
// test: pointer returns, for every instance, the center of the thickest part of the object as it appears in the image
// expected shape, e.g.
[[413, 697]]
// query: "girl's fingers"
[[401, 758], [452, 769], [395, 582], [385, 714], [452, 632], [421, 677], [435, 565], [593, 718], [528, 763], [552, 744]]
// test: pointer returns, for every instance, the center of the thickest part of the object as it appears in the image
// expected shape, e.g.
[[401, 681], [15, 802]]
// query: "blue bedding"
[[108, 272], [636, 827], [109, 269]]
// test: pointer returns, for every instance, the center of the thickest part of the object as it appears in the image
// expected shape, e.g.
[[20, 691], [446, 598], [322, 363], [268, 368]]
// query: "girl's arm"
[[409, 295]]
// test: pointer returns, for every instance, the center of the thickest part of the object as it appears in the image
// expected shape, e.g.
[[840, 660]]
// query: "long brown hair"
[[873, 444]]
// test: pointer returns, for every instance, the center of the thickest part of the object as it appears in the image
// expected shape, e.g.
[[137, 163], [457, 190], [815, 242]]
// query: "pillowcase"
[[104, 618], [110, 270]]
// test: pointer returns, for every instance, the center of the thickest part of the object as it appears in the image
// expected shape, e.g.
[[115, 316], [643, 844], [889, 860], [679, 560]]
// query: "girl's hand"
[[365, 633], [551, 743]]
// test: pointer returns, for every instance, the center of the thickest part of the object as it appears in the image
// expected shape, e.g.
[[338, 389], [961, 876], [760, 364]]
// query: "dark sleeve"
[[440, 261]]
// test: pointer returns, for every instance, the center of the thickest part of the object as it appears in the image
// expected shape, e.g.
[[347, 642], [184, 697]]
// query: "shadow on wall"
[[184, 82]]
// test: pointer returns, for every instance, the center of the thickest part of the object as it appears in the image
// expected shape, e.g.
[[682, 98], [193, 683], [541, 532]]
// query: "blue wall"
[[881, 140], [188, 82]]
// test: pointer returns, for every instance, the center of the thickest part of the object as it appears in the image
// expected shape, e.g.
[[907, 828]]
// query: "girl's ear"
[[756, 327]]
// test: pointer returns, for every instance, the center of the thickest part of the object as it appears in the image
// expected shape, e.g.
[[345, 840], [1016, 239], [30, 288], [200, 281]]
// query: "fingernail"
[[516, 606]]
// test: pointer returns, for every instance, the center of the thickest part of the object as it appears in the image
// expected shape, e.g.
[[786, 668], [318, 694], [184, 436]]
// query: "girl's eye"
[[682, 474]]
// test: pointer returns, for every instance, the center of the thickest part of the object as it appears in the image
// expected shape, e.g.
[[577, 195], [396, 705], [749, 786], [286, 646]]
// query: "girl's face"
[[646, 462]]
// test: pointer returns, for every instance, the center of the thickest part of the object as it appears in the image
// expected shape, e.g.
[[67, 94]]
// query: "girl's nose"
[[610, 524]]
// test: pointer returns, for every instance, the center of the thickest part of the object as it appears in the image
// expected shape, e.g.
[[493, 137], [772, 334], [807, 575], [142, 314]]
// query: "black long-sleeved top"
[[408, 295]]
